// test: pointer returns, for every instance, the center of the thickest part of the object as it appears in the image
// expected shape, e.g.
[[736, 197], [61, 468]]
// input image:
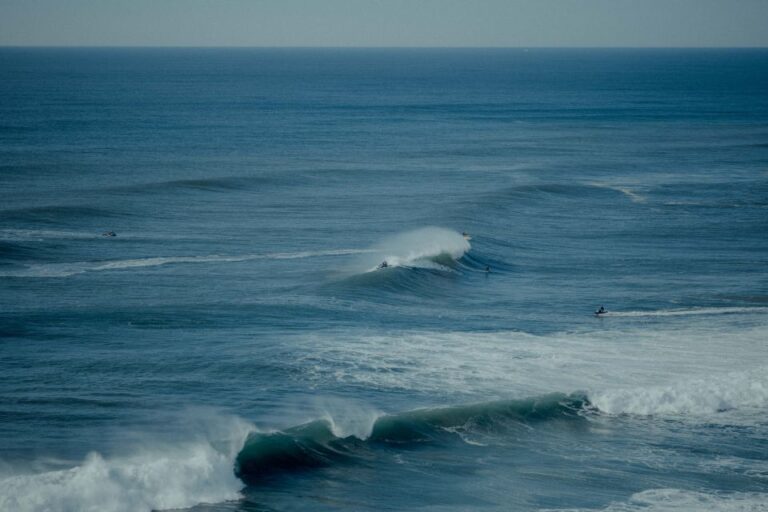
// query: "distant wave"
[[56, 214], [318, 443], [689, 311], [42, 234], [415, 262], [69, 269], [429, 247], [222, 184]]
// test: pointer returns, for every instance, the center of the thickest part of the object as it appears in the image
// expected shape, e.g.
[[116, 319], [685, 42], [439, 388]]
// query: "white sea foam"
[[632, 195], [634, 371], [418, 248], [152, 478], [693, 396], [679, 500], [70, 269], [689, 311], [347, 418]]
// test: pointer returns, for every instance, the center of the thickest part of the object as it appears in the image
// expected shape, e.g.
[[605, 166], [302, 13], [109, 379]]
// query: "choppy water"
[[235, 347]]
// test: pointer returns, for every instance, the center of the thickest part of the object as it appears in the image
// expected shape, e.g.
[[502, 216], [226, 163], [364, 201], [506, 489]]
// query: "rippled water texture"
[[271, 280]]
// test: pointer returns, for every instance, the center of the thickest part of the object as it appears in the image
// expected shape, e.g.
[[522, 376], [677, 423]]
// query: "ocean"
[[194, 313]]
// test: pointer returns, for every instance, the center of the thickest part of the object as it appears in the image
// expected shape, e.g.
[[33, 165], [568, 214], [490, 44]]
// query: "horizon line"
[[356, 47]]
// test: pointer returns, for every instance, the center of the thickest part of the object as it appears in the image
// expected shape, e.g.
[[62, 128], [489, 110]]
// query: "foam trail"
[[160, 478], [427, 247], [70, 269], [689, 311], [680, 500], [633, 196]]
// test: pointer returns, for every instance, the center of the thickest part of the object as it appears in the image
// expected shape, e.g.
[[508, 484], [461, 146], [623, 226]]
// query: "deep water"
[[237, 347]]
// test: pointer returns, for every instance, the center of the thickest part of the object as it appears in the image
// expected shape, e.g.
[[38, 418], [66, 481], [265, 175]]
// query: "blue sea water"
[[235, 347]]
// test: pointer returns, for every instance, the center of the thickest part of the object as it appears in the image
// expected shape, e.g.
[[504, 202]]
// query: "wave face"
[[320, 443]]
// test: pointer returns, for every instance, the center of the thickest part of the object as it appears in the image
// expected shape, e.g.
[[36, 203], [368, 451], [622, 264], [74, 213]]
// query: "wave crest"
[[429, 247], [315, 444]]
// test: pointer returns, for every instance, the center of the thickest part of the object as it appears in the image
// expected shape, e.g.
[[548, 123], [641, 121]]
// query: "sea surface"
[[236, 347]]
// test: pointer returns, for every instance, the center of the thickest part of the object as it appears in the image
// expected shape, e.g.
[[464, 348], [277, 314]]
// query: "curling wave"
[[319, 443]]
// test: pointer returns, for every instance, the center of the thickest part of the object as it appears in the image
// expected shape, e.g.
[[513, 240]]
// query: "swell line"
[[70, 269]]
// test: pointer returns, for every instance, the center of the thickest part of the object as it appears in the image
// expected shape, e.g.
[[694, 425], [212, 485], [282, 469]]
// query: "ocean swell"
[[315, 444]]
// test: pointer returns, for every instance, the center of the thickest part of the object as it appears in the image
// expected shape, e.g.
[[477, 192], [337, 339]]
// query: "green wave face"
[[314, 445]]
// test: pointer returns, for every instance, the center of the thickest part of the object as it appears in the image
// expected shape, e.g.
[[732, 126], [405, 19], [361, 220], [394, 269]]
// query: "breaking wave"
[[153, 478], [430, 247], [321, 443], [696, 396]]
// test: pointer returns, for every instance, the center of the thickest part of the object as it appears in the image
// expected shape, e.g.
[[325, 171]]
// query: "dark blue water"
[[236, 347]]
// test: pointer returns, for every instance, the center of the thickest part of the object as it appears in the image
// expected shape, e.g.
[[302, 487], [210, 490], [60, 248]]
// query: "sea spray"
[[425, 247], [156, 476]]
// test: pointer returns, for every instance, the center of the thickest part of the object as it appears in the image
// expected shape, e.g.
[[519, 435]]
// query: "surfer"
[[601, 311], [466, 235], [487, 269], [109, 233], [384, 264]]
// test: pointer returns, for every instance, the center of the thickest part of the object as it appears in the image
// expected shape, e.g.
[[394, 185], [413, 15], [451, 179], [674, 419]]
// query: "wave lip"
[[315, 445]]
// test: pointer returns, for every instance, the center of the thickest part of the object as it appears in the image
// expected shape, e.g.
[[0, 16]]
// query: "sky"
[[375, 23]]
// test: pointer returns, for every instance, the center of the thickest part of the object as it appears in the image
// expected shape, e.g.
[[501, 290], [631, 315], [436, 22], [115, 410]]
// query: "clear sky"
[[384, 22]]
